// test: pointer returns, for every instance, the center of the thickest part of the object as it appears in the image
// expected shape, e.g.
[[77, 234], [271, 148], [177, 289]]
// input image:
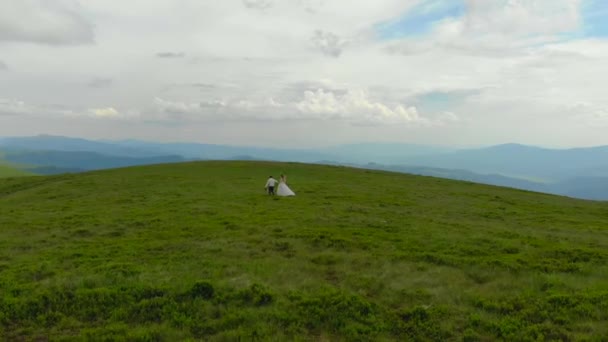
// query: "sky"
[[306, 73]]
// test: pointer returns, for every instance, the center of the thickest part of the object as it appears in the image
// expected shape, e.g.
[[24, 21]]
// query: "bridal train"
[[283, 189]]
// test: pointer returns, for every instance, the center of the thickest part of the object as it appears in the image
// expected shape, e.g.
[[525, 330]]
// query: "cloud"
[[258, 4], [177, 107], [3, 66], [294, 90], [591, 114], [441, 101], [170, 55], [199, 85], [527, 60], [447, 117], [496, 29], [59, 22], [22, 108], [328, 43], [311, 6], [100, 83], [18, 107], [354, 106], [522, 17], [108, 112], [13, 107]]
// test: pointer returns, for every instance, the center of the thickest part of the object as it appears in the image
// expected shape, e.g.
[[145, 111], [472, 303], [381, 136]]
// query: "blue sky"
[[423, 17], [595, 18], [441, 101]]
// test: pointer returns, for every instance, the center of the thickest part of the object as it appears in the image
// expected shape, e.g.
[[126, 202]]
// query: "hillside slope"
[[65, 144], [54, 162], [10, 171], [197, 250]]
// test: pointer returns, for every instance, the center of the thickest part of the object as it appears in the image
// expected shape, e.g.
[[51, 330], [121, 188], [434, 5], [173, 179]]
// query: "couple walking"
[[283, 189]]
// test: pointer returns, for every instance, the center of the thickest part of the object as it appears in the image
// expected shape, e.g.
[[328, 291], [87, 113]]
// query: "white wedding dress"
[[284, 190]]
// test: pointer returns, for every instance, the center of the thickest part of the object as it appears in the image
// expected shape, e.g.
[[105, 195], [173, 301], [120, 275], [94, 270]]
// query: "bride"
[[283, 189]]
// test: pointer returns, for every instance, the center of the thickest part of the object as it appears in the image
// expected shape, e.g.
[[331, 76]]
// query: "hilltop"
[[577, 172], [198, 251], [9, 171]]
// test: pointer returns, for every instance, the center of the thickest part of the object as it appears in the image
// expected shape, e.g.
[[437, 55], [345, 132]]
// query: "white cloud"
[[22, 108], [170, 55], [498, 28], [3, 66], [176, 107], [57, 22], [591, 114], [521, 17], [98, 82], [245, 65], [38, 111], [108, 112], [328, 43], [13, 107], [448, 117], [258, 4], [353, 106]]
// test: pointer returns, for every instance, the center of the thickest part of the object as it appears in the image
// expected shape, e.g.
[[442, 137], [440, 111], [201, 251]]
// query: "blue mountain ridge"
[[576, 172]]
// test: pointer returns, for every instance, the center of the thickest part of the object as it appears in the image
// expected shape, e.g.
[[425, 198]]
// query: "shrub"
[[203, 290], [256, 294]]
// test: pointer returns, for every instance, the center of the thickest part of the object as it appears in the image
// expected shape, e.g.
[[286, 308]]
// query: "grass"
[[197, 251], [10, 171]]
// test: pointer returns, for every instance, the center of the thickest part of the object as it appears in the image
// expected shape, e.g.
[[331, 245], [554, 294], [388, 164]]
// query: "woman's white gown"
[[284, 190]]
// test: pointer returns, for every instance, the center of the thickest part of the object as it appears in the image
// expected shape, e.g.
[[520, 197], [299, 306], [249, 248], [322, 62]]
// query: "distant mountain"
[[383, 153], [225, 152], [51, 162], [57, 143], [135, 148], [464, 175], [523, 161], [354, 153], [593, 188], [577, 172]]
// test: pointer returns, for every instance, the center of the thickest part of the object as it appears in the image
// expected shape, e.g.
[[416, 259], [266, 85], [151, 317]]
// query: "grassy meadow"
[[8, 170], [197, 251]]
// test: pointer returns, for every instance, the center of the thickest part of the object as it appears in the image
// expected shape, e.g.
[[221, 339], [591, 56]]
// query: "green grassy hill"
[[7, 170], [198, 251]]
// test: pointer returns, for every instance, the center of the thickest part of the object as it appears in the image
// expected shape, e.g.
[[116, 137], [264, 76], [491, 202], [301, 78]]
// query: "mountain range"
[[577, 172]]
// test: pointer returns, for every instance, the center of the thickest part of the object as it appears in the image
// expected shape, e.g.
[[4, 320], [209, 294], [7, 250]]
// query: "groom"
[[270, 184]]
